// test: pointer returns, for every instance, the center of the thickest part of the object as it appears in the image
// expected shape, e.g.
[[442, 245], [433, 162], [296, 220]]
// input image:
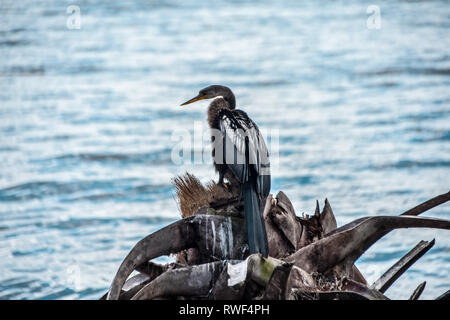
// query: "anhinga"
[[240, 155]]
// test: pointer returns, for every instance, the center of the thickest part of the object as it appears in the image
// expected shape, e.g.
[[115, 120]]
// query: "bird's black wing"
[[245, 151]]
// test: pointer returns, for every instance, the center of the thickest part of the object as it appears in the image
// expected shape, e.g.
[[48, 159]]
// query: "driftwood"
[[309, 257], [388, 278]]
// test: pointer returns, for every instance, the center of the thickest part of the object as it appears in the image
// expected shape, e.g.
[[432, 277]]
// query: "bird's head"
[[212, 92]]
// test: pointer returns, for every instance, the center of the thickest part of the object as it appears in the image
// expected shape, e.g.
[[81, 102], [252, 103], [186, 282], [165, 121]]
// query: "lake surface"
[[90, 119]]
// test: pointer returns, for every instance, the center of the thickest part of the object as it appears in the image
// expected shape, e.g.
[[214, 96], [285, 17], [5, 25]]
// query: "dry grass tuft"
[[192, 194]]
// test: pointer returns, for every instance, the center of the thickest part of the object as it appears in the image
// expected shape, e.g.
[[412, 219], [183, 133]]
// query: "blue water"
[[88, 119]]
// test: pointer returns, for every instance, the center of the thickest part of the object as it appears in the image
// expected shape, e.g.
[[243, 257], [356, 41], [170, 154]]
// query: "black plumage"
[[240, 155]]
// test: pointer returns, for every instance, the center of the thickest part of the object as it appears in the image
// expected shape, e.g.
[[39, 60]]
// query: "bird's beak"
[[197, 98]]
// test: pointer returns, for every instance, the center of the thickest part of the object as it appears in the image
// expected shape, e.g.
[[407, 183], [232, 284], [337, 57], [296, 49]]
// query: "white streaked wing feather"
[[258, 153]]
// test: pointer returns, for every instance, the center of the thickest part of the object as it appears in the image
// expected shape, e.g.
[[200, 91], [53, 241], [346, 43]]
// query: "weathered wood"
[[427, 205], [349, 285], [327, 219], [276, 287], [220, 237], [284, 202], [181, 235], [298, 278], [301, 294], [416, 294], [349, 242], [348, 290], [309, 257], [278, 246], [261, 269], [444, 296], [222, 290], [131, 286], [286, 221], [394, 272], [317, 211], [151, 269], [189, 281]]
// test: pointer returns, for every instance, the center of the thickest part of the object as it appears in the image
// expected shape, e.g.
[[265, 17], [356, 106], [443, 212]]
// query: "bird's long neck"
[[226, 94], [229, 98], [226, 101], [215, 108]]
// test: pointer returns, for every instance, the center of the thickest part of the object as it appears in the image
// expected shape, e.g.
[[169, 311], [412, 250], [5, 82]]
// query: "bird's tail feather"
[[256, 229]]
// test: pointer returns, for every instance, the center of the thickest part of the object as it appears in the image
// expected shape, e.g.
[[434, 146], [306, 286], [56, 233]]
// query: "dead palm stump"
[[309, 257]]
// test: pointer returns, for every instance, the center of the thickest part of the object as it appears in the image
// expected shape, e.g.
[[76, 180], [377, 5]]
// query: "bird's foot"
[[274, 201]]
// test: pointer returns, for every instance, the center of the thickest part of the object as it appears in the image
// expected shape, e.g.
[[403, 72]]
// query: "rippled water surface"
[[89, 119]]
